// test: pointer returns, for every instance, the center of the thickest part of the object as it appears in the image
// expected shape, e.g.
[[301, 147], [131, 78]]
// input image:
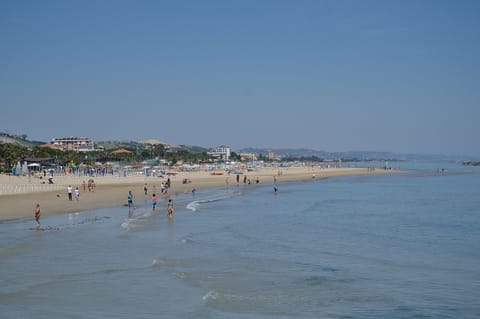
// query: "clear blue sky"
[[401, 76]]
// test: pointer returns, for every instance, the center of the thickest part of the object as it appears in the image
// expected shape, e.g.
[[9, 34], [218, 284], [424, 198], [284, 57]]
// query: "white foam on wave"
[[163, 262], [211, 295], [136, 222], [187, 241], [195, 205], [180, 275], [158, 262], [133, 224]]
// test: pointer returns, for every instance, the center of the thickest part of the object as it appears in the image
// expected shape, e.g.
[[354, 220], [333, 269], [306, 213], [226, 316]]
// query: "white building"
[[77, 144], [221, 152]]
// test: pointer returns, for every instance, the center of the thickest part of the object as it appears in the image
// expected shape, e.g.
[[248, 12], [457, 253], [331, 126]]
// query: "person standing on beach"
[[69, 191], [170, 208], [154, 201], [77, 193], [130, 200], [37, 214], [145, 188]]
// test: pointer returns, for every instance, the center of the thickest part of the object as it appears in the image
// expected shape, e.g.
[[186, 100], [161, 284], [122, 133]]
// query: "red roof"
[[122, 151]]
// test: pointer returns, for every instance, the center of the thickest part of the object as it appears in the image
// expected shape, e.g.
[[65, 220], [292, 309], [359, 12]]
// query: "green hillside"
[[6, 138]]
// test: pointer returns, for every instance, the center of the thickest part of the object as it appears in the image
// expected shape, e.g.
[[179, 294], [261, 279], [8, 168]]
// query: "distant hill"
[[6, 138], [351, 155], [193, 149], [22, 140], [113, 145]]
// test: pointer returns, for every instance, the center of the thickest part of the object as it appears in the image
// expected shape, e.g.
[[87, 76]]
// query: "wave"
[[73, 223], [201, 203], [163, 262], [139, 221], [187, 241]]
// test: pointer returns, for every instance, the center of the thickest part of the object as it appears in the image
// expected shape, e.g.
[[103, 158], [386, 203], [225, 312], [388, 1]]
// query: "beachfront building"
[[77, 144], [245, 157], [271, 156], [220, 152]]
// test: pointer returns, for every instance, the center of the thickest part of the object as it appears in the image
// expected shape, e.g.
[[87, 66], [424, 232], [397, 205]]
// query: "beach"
[[368, 245], [19, 194]]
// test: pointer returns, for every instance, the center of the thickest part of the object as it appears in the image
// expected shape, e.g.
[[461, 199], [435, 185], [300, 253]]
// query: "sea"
[[398, 245]]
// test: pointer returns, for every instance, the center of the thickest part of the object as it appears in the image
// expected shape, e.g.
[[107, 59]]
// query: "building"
[[248, 156], [77, 144], [220, 152], [271, 155]]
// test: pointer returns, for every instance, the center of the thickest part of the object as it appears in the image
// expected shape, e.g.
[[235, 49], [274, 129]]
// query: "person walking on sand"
[[170, 208], [145, 189], [37, 214], [154, 201], [69, 191], [77, 193], [130, 200]]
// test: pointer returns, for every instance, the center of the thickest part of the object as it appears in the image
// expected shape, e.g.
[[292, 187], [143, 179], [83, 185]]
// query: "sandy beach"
[[19, 195]]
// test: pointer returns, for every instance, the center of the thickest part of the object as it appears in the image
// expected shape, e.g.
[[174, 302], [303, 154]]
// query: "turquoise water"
[[378, 246]]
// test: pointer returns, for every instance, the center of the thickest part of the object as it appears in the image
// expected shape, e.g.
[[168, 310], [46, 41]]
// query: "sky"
[[399, 76]]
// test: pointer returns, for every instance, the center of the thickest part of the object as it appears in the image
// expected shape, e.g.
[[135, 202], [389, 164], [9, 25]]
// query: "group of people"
[[154, 200], [165, 186], [247, 180], [70, 193], [90, 185], [76, 192]]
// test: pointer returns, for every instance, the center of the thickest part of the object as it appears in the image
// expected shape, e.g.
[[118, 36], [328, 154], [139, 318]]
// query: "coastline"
[[111, 191]]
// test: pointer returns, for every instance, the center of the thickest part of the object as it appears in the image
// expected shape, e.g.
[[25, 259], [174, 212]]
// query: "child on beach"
[[77, 193], [154, 201]]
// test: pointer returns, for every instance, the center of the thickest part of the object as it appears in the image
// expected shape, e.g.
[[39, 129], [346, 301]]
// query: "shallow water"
[[376, 246]]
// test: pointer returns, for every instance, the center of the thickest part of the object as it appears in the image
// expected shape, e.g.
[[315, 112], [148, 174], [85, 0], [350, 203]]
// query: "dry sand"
[[18, 195]]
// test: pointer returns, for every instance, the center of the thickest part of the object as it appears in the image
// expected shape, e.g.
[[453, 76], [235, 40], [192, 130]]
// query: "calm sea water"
[[378, 246]]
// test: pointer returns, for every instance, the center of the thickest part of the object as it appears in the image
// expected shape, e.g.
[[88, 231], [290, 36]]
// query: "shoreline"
[[112, 191]]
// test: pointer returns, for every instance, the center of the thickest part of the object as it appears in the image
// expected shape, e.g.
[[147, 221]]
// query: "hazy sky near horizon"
[[399, 76]]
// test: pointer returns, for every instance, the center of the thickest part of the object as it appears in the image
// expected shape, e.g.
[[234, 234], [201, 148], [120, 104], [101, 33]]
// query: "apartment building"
[[221, 152], [77, 144]]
